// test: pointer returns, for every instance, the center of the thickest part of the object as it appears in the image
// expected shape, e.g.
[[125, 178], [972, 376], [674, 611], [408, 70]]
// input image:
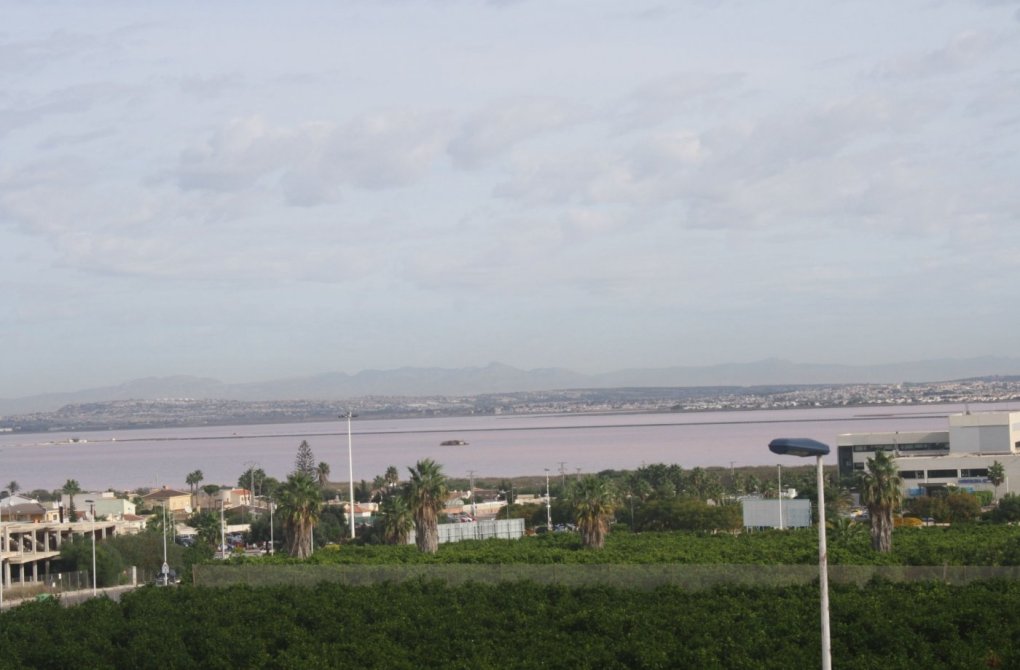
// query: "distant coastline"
[[121, 415]]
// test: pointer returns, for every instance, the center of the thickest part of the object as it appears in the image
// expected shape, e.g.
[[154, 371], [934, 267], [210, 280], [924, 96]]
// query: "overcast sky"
[[251, 190]]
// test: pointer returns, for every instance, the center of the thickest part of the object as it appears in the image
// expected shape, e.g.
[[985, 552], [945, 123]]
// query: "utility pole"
[[548, 504], [474, 503]]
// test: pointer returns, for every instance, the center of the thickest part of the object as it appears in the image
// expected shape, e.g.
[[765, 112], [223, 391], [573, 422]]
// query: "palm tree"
[[322, 474], [996, 475], [396, 520], [392, 476], [300, 504], [880, 493], [71, 488], [13, 488], [426, 497], [193, 480], [593, 501]]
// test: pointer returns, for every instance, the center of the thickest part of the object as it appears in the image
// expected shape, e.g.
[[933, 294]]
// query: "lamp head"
[[798, 446]]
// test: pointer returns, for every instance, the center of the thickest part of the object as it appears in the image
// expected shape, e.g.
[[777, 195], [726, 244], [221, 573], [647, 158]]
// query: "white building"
[[105, 503], [958, 457]]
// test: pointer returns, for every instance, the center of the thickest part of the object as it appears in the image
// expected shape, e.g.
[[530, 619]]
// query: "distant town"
[[177, 412]]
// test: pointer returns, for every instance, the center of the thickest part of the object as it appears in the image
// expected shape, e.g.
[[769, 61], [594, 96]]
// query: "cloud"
[[666, 98], [966, 50], [67, 101], [309, 163], [494, 130]]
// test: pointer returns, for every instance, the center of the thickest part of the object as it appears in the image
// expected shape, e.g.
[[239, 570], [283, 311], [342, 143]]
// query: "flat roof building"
[[957, 457]]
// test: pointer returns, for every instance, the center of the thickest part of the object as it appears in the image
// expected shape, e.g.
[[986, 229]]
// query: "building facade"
[[957, 457]]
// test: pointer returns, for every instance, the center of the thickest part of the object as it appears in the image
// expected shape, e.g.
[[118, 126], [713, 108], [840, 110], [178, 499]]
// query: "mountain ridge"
[[501, 378]]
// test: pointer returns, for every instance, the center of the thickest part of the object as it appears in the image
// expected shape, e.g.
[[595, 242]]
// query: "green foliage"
[[593, 500], [300, 506], [1008, 509], [880, 493], [426, 497], [77, 555], [686, 514], [966, 544], [395, 520], [955, 507], [520, 625], [304, 461], [207, 525]]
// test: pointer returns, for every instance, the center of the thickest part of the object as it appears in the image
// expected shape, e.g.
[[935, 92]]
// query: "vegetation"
[[996, 475], [71, 488], [304, 461], [593, 501], [193, 479], [520, 625], [880, 493], [426, 498], [396, 520], [300, 505]]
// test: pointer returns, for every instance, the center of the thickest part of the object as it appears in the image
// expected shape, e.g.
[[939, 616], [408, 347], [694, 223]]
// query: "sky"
[[254, 190]]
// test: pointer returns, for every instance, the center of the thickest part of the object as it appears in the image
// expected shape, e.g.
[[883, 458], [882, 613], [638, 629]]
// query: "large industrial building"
[[957, 457]]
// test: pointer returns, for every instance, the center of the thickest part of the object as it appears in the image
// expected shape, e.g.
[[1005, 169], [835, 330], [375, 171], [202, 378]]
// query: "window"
[[912, 474], [858, 466], [942, 474], [974, 472]]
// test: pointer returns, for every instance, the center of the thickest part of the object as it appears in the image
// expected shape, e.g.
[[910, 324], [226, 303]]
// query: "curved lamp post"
[[802, 446], [350, 465], [92, 513]]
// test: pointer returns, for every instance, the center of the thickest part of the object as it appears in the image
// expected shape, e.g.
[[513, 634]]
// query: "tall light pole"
[[166, 566], [350, 465], [223, 530], [272, 544], [802, 446], [548, 504], [92, 513], [779, 489]]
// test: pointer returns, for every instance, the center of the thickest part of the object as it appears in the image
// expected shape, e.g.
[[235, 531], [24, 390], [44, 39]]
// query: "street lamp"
[[92, 511], [350, 465], [779, 490], [802, 446], [166, 566], [548, 504], [272, 544]]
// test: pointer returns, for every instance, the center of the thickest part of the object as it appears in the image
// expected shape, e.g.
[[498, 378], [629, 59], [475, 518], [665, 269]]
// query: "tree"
[[392, 477], [13, 488], [322, 474], [71, 488], [426, 498], [304, 461], [880, 493], [300, 505], [395, 520], [593, 501], [193, 479], [207, 526], [996, 475]]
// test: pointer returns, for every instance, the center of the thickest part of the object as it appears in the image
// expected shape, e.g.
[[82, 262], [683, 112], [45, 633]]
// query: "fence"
[[54, 583], [691, 577], [507, 529]]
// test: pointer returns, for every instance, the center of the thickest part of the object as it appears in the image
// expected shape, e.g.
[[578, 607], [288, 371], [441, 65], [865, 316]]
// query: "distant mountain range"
[[499, 378]]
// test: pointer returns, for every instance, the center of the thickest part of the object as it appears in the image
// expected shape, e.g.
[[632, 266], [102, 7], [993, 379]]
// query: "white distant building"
[[105, 503], [957, 457]]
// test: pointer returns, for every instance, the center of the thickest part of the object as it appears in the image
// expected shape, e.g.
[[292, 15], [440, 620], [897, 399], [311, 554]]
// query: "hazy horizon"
[[252, 191]]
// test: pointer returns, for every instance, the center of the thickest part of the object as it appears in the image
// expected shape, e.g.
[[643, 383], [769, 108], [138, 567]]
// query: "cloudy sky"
[[251, 190]]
